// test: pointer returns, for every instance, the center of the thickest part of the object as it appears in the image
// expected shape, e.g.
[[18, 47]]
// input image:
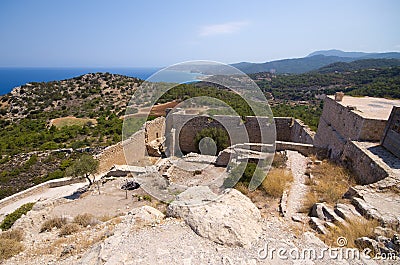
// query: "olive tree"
[[84, 166]]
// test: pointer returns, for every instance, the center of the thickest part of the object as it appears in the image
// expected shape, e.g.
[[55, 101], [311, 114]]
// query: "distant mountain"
[[338, 53], [358, 55], [312, 62], [292, 66], [358, 65]]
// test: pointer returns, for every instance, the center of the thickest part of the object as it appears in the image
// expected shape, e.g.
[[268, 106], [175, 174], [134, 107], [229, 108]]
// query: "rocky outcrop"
[[230, 219]]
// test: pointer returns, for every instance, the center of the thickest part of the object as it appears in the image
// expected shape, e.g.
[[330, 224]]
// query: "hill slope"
[[359, 65], [311, 62]]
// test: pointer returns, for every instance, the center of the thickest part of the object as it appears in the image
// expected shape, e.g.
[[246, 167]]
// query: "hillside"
[[359, 65], [311, 62]]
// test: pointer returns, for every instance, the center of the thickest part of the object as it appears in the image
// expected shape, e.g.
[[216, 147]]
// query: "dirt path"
[[297, 163], [50, 193]]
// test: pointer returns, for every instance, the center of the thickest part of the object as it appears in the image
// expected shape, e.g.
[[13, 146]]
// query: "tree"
[[85, 166], [218, 135]]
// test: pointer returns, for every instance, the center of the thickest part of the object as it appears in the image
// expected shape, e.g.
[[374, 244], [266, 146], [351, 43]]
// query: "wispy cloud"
[[224, 28]]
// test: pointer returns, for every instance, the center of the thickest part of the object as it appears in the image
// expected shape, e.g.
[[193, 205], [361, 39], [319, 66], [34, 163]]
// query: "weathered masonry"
[[352, 130], [391, 137]]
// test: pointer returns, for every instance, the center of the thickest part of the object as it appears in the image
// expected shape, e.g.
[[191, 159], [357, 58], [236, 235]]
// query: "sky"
[[129, 33]]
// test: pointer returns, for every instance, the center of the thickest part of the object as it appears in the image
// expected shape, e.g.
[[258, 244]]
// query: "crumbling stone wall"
[[155, 129], [339, 124], [391, 137], [184, 127], [367, 170], [135, 150]]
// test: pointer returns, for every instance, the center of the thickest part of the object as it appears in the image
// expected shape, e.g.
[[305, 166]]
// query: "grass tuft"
[[276, 181], [85, 219], [10, 243], [328, 184], [69, 229], [355, 228], [53, 222]]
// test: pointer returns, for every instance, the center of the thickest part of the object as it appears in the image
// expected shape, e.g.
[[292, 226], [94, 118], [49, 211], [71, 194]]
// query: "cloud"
[[224, 28]]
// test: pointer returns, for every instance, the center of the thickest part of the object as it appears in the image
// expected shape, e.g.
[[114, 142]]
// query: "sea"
[[13, 77]]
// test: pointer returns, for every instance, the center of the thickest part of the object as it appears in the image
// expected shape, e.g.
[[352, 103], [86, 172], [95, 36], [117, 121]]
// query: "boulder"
[[366, 242], [346, 211], [230, 219], [325, 213], [145, 215], [318, 225]]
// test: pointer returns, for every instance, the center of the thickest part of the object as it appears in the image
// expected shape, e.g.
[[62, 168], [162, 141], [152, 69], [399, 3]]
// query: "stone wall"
[[186, 126], [339, 124], [182, 128], [349, 124], [367, 170], [40, 188], [293, 130], [284, 128], [391, 137], [131, 151], [155, 129], [304, 149]]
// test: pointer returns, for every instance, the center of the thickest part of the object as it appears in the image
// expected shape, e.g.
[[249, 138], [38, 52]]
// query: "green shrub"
[[10, 219], [220, 137]]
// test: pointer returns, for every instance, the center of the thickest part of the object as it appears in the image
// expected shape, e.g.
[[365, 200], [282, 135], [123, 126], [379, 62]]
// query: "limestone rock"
[[230, 219], [146, 215], [346, 211], [325, 213], [318, 225], [366, 242]]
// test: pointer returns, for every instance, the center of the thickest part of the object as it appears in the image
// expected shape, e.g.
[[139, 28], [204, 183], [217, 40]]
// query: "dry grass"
[[280, 160], [70, 121], [328, 184], [104, 218], [276, 181], [355, 228], [69, 229], [10, 243], [9, 248], [309, 200], [15, 234], [85, 220], [53, 222], [240, 186]]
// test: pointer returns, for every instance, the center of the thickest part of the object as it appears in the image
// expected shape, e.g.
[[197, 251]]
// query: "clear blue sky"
[[160, 33]]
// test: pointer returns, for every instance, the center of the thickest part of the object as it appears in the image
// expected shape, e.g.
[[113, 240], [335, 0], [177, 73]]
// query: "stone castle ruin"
[[361, 133], [358, 132]]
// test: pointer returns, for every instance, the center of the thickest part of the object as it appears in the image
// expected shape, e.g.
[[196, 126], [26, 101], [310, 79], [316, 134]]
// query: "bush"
[[53, 222], [85, 219], [10, 219], [246, 173], [69, 229], [220, 137]]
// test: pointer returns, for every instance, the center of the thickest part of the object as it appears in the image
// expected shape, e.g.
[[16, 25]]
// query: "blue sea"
[[13, 77]]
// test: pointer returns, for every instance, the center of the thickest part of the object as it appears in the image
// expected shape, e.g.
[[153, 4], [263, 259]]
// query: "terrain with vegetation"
[[88, 111]]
